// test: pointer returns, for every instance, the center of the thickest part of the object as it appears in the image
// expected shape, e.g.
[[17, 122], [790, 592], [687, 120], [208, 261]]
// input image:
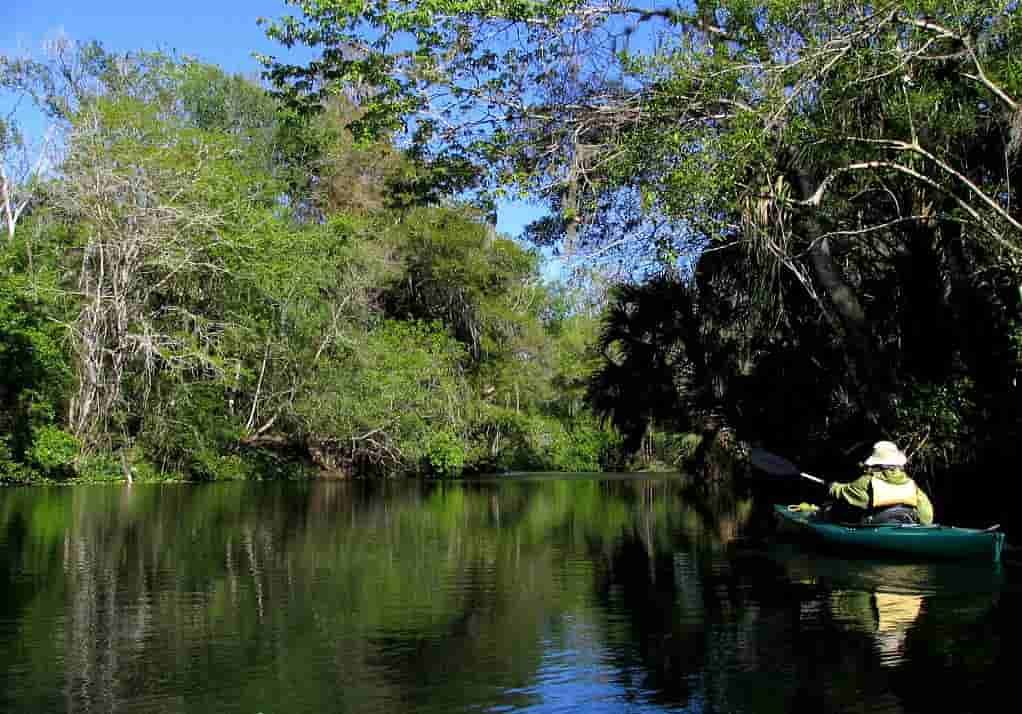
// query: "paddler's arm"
[[924, 508], [855, 493]]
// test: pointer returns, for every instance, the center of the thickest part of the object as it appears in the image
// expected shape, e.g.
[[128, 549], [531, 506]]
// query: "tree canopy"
[[836, 183], [814, 206], [209, 284]]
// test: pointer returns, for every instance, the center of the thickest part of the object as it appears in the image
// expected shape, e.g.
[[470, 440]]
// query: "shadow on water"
[[535, 593]]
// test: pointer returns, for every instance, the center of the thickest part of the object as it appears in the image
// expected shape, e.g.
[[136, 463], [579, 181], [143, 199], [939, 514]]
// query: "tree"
[[20, 175], [863, 156], [153, 205], [647, 372], [561, 97], [240, 287]]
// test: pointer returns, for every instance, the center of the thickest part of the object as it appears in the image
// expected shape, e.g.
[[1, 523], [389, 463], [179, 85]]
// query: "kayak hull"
[[933, 542]]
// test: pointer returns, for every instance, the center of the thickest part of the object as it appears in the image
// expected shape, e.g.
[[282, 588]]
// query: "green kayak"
[[907, 541]]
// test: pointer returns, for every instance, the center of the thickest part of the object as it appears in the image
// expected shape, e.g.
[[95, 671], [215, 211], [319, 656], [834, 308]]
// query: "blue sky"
[[220, 31], [223, 32]]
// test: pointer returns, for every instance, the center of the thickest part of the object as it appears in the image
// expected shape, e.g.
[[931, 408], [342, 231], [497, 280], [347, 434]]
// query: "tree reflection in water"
[[530, 593]]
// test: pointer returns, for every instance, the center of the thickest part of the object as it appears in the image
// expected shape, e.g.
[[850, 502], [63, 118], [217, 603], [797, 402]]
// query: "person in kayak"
[[884, 493]]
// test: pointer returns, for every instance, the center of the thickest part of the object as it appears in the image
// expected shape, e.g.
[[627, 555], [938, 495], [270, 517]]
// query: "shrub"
[[445, 454], [53, 451], [11, 470]]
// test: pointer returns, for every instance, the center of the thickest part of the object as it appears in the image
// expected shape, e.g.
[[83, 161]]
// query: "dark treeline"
[[205, 285], [860, 277]]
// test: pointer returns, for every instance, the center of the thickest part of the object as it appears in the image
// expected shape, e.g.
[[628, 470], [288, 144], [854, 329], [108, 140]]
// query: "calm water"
[[519, 594]]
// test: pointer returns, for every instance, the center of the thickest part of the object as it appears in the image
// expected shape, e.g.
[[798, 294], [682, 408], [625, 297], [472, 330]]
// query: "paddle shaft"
[[778, 465]]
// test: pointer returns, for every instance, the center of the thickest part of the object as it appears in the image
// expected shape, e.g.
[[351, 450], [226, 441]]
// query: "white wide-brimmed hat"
[[885, 453]]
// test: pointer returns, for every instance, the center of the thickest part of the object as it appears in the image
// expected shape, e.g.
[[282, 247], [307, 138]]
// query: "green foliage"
[[651, 349], [582, 447], [937, 408], [188, 432], [53, 451], [100, 467], [213, 100], [510, 441], [851, 168], [394, 389], [215, 466], [445, 454], [937, 420], [214, 286], [457, 272], [683, 447], [301, 291], [13, 470], [34, 370]]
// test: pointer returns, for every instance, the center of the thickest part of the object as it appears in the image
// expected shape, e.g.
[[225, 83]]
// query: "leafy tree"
[[645, 363], [34, 375], [848, 170], [241, 290], [456, 270], [379, 408]]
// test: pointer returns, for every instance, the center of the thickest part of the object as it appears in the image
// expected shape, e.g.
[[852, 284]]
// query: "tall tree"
[[830, 147]]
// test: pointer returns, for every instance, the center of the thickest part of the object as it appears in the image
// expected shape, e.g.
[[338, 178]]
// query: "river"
[[594, 593]]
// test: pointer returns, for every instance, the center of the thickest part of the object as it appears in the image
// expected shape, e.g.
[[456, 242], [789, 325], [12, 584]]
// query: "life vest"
[[884, 493]]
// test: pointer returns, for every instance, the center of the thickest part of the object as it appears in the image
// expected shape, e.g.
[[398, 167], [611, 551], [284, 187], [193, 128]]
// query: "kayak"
[[908, 541]]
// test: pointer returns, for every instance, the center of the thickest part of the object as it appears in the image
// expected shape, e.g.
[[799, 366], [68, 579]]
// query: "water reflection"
[[537, 594], [885, 601]]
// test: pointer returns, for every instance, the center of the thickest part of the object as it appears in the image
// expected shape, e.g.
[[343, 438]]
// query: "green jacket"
[[856, 493]]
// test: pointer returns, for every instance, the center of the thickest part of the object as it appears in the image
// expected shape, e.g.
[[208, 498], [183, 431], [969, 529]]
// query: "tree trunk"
[[860, 357]]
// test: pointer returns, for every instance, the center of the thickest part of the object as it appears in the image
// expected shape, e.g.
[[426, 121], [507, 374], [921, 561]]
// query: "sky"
[[222, 32], [219, 31]]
